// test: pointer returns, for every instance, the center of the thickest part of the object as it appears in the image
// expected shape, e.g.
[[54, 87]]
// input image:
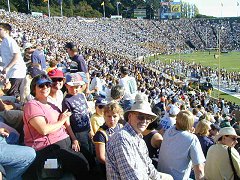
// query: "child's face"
[[74, 90], [111, 118]]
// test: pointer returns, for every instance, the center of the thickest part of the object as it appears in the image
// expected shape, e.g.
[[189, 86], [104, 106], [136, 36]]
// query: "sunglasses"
[[143, 117], [233, 138], [57, 79], [47, 84], [100, 106]]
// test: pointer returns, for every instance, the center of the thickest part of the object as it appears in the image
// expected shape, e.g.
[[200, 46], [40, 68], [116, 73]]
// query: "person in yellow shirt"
[[97, 118]]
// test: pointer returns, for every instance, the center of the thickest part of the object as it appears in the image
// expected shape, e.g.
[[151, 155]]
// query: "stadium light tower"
[[8, 6], [118, 8], [179, 46], [219, 59]]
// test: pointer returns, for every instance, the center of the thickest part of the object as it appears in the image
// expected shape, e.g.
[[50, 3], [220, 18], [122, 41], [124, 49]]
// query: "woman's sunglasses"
[[47, 84]]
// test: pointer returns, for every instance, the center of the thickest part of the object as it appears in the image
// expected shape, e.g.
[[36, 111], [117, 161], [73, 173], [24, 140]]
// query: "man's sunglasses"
[[143, 117], [57, 79], [47, 84]]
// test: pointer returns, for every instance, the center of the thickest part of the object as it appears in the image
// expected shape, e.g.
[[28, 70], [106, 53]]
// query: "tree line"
[[87, 8]]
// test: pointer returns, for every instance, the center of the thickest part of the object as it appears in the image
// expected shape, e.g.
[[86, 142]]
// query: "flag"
[[59, 1], [45, 0], [237, 3], [102, 3]]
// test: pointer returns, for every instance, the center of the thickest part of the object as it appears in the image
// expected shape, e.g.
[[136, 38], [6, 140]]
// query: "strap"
[[104, 133], [231, 162]]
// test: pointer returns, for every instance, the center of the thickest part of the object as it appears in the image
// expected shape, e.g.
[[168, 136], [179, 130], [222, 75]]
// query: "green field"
[[229, 61]]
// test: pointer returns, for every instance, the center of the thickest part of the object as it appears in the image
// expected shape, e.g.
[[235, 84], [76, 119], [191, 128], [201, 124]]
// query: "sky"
[[217, 8]]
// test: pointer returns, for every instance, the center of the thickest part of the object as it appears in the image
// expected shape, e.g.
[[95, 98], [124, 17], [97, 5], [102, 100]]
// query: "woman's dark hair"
[[34, 82], [153, 125]]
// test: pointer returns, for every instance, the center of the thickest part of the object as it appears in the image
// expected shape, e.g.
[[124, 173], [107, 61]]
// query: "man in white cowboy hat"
[[218, 163], [126, 152]]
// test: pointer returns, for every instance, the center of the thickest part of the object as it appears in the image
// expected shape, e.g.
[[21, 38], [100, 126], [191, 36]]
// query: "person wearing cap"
[[130, 87], [72, 51], [56, 95], [14, 67], [27, 53], [169, 120], [75, 102], [97, 118], [218, 164], [181, 150], [112, 114], [126, 152], [44, 130]]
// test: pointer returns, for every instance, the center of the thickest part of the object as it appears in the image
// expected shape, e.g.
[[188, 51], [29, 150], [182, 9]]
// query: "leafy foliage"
[[85, 8]]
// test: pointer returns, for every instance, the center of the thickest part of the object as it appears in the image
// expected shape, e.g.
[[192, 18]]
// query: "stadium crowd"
[[87, 99]]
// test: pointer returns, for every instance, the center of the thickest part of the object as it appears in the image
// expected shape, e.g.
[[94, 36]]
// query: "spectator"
[[56, 95], [79, 59], [44, 131], [153, 141], [38, 56], [222, 153], [97, 118], [177, 157], [130, 88], [14, 159], [14, 67], [112, 114], [169, 120], [117, 93], [76, 103], [202, 132], [127, 154]]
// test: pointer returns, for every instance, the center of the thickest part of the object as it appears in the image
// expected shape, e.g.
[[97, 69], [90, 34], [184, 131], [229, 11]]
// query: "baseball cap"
[[70, 45], [101, 101], [174, 110], [27, 45], [74, 79], [34, 71], [55, 73]]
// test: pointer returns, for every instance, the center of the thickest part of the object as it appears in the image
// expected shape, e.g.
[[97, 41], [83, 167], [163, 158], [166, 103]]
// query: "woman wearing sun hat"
[[218, 164]]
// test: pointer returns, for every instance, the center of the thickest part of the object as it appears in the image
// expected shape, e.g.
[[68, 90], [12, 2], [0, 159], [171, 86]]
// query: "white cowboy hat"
[[141, 105]]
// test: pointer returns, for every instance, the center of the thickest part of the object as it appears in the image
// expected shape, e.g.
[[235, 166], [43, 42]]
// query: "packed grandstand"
[[108, 44]]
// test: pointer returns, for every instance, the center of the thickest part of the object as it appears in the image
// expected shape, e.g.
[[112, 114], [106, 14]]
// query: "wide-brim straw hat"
[[141, 105], [226, 131]]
